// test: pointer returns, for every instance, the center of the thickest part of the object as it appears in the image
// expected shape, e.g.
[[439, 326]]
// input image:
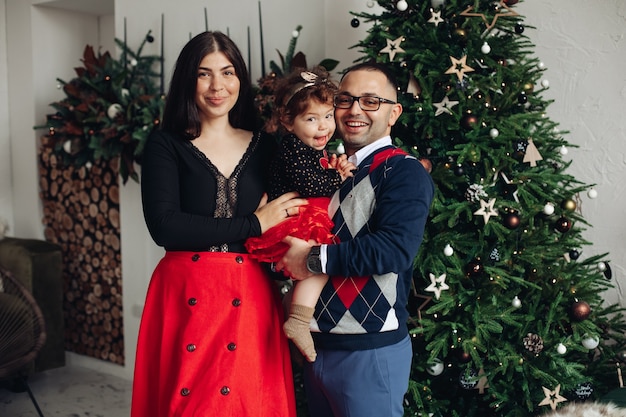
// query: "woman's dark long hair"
[[181, 115]]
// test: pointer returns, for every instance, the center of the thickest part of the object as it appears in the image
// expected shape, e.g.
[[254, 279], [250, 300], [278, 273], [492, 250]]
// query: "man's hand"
[[293, 263]]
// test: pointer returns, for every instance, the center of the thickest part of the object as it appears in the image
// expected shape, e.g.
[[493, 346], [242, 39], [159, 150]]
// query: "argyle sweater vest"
[[379, 221]]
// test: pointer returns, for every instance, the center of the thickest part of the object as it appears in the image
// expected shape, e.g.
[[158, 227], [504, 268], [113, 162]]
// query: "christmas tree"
[[508, 314]]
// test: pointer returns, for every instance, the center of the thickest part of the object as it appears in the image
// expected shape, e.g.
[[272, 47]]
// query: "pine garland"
[[110, 109]]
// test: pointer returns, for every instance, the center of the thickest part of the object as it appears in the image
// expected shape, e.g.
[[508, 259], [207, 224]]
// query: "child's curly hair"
[[296, 90]]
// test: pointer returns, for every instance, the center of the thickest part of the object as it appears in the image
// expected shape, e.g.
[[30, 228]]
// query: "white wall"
[[6, 189], [583, 46], [581, 43]]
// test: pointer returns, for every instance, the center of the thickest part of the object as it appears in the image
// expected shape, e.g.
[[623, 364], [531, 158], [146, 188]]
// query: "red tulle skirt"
[[312, 222]]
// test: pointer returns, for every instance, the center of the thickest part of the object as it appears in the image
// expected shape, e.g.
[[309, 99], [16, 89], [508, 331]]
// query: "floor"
[[71, 391]]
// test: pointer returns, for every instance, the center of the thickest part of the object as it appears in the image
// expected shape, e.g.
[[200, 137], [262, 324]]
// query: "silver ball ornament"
[[591, 342], [402, 5], [548, 209], [435, 368]]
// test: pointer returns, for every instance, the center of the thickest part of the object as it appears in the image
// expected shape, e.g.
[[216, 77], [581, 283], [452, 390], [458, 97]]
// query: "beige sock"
[[297, 329]]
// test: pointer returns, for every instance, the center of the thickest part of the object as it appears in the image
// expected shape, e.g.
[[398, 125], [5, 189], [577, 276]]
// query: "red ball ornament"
[[463, 356], [563, 224], [468, 121], [580, 311], [427, 164]]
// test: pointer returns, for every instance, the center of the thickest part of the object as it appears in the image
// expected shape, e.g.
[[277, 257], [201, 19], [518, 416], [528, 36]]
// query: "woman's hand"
[[274, 212]]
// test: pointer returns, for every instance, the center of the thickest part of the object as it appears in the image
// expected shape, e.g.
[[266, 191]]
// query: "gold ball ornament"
[[460, 33], [568, 204], [529, 88]]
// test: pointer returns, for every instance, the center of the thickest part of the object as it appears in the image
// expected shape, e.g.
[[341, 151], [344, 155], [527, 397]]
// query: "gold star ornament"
[[486, 209], [392, 48], [504, 11], [552, 397], [459, 67], [435, 18], [437, 285], [444, 106]]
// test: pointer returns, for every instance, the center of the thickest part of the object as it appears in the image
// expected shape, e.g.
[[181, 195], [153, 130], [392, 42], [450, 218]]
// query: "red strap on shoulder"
[[384, 155]]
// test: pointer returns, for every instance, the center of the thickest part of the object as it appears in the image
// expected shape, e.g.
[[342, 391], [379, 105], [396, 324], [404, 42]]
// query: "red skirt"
[[311, 223], [211, 341]]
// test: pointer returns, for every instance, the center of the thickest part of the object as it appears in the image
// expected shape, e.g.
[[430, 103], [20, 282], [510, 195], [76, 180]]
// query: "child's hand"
[[344, 167], [332, 161]]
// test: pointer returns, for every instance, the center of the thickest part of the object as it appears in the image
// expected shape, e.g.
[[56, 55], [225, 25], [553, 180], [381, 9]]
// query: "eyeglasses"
[[366, 103]]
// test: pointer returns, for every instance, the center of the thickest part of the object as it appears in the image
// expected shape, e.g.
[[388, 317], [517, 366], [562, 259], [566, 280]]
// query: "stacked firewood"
[[81, 213]]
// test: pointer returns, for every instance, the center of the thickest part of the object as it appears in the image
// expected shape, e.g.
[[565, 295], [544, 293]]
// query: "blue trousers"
[[361, 383]]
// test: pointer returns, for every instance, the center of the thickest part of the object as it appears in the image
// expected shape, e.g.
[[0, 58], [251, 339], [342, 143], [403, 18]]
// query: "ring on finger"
[[287, 212]]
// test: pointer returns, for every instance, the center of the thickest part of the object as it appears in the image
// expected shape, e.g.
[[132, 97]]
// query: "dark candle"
[[125, 46], [249, 58], [262, 50], [206, 21], [162, 53]]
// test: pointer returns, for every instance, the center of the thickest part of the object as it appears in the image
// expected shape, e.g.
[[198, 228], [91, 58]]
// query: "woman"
[[210, 341]]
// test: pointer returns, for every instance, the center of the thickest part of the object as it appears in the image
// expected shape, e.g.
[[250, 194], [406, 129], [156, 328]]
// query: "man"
[[363, 348]]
